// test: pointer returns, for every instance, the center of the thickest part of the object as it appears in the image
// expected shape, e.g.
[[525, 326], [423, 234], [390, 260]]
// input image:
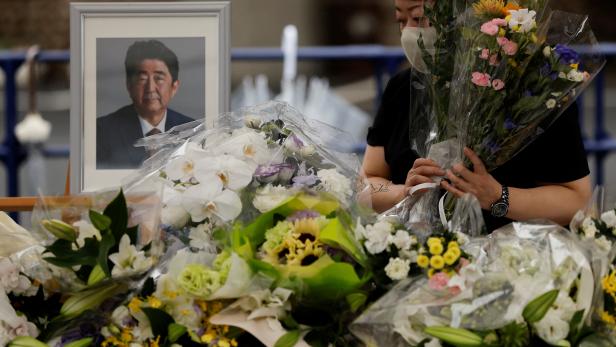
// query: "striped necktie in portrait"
[[150, 151]]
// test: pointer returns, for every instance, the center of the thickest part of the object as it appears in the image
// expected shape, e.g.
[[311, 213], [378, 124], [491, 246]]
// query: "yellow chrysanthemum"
[[436, 249], [489, 8], [154, 302], [607, 318], [455, 251], [609, 283], [224, 343], [135, 305], [434, 241], [437, 262], [126, 336], [431, 273], [208, 337], [453, 244], [423, 261], [449, 258], [233, 343]]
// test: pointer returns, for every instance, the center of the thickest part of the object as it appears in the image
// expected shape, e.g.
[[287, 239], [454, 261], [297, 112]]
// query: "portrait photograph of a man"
[[145, 86]]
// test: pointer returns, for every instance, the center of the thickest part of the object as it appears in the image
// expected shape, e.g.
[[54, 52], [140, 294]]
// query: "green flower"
[[222, 264], [276, 235], [199, 280]]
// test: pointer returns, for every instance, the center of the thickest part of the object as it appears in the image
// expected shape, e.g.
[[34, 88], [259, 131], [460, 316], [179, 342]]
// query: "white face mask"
[[409, 38]]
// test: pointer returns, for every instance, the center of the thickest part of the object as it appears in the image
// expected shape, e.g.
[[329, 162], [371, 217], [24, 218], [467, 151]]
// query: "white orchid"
[[244, 143], [181, 169], [522, 20], [211, 200], [10, 278], [129, 261], [232, 172], [11, 324]]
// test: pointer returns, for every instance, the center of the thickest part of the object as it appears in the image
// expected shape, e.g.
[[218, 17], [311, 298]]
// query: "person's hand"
[[478, 182], [423, 171]]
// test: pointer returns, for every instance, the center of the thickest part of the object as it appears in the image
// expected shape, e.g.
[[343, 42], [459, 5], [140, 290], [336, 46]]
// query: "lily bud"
[[60, 229]]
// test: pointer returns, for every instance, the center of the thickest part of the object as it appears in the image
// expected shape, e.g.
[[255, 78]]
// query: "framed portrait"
[[139, 69]]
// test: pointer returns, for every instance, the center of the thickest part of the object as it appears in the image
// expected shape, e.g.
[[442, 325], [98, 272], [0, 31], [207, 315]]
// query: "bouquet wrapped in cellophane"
[[526, 284], [498, 75]]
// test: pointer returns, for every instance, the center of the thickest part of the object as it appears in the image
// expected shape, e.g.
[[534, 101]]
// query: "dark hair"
[[151, 49]]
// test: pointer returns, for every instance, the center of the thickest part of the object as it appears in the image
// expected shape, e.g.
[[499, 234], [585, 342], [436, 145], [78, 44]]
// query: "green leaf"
[[133, 233], [289, 322], [100, 222], [85, 342], [356, 300], [159, 321], [537, 309], [118, 213], [336, 235], [175, 331], [288, 340], [107, 242]]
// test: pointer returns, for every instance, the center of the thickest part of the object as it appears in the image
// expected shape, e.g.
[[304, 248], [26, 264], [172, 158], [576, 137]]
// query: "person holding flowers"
[[548, 179]]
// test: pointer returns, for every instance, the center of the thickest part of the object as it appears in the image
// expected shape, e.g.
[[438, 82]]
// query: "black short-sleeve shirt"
[[556, 156]]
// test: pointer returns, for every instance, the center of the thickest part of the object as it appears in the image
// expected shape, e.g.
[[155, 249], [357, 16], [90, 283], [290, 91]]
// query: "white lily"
[[129, 261], [232, 172], [211, 200], [86, 230]]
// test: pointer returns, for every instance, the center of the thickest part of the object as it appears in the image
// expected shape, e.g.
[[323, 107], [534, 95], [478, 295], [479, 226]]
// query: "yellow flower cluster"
[[124, 340], [609, 284], [438, 258], [607, 317], [214, 335], [494, 8], [300, 244]]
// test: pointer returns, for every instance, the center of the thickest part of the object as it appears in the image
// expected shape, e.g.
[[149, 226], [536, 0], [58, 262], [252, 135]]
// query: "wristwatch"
[[501, 206]]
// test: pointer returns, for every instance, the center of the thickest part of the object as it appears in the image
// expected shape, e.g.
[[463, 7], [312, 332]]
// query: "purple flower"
[[303, 214], [545, 70], [509, 124], [305, 181], [275, 172], [567, 55]]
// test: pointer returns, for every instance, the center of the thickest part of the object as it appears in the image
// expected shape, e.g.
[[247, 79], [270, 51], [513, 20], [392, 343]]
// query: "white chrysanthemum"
[[575, 76], [402, 240], [550, 104], [129, 261], [462, 238], [269, 197], [335, 183], [609, 218], [397, 269], [522, 20]]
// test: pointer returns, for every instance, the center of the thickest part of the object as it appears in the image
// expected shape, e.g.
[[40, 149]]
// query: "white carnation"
[[397, 269], [575, 76], [335, 183], [377, 237], [462, 238], [609, 218], [550, 104], [270, 197]]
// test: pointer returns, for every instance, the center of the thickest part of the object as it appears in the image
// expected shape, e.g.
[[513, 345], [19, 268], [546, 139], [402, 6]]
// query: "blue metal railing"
[[386, 61]]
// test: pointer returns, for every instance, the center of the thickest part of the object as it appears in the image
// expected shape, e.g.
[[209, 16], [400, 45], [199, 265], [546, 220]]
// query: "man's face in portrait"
[[152, 87]]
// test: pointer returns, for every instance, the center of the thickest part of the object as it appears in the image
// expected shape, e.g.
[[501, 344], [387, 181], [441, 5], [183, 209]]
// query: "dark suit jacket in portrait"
[[116, 134]]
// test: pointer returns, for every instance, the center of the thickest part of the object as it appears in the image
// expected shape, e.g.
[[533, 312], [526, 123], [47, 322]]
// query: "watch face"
[[500, 209]]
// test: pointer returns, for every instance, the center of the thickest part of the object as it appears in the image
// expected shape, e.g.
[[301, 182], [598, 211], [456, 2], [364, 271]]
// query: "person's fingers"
[[424, 162], [467, 174], [459, 182], [453, 190], [429, 171], [479, 168], [417, 179]]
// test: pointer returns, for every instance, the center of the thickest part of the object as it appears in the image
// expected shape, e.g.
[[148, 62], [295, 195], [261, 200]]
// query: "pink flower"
[[494, 60], [509, 47], [489, 28], [498, 84], [438, 281], [453, 291], [481, 79], [499, 21], [485, 54]]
